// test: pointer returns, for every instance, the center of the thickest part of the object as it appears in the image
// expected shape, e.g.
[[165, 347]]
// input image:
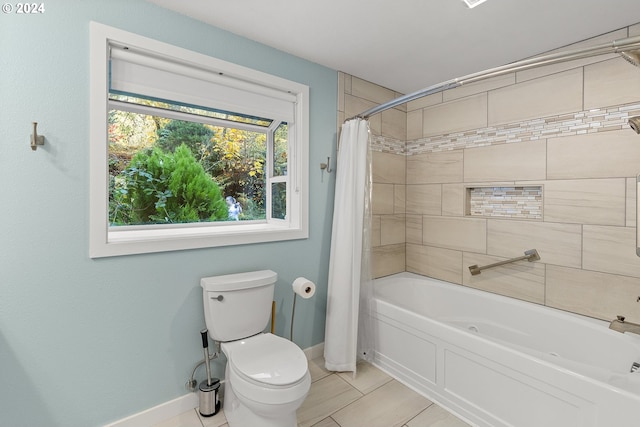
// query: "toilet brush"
[[208, 395]]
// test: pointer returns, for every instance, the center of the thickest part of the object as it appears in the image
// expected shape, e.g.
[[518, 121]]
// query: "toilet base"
[[239, 415]]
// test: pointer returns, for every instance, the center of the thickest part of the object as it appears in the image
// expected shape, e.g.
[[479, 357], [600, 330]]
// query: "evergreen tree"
[[164, 187]]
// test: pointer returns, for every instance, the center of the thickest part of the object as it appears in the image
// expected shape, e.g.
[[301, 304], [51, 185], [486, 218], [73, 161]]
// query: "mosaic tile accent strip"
[[385, 144], [505, 202], [583, 122]]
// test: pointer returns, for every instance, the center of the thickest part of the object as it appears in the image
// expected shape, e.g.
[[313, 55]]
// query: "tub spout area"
[[621, 326]]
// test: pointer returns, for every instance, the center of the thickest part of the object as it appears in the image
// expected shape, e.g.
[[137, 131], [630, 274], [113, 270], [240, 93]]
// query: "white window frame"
[[108, 241]]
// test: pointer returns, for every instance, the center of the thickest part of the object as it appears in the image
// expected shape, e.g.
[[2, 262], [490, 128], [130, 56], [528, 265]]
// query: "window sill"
[[138, 241]]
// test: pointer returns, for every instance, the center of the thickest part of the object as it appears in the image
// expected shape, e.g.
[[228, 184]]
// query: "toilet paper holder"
[[306, 289]]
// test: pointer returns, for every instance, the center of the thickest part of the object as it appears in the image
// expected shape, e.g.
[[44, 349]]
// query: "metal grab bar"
[[530, 255]]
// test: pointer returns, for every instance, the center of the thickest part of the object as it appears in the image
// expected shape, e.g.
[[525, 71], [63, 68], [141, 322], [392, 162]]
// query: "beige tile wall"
[[545, 96], [562, 127], [527, 161], [389, 192]]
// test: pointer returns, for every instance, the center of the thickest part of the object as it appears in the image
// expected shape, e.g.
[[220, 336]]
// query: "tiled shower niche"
[[514, 202]]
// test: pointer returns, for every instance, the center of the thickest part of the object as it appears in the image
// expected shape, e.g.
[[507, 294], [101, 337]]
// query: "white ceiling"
[[406, 45]]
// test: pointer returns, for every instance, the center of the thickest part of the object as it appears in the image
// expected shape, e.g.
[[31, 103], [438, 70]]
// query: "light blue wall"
[[84, 342]]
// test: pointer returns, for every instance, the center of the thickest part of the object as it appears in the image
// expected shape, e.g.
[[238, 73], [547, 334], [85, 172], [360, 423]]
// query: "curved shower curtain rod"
[[621, 46]]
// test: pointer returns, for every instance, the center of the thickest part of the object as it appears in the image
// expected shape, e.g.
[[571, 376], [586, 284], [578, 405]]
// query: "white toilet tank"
[[237, 306]]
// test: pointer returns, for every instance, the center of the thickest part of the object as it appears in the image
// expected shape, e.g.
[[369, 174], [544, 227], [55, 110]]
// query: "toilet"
[[266, 377]]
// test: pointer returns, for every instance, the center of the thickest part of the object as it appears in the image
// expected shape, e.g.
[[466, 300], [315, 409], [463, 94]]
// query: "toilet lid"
[[268, 359]]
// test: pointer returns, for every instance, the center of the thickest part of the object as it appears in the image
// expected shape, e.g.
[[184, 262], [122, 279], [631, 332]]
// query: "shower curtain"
[[347, 333]]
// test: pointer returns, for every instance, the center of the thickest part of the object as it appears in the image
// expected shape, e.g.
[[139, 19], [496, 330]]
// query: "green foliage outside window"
[[165, 171], [165, 187]]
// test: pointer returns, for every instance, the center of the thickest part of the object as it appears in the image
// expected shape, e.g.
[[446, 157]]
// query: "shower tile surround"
[[577, 157]]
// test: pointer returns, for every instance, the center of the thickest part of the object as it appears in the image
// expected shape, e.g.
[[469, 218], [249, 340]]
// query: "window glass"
[[279, 200], [165, 170], [280, 148], [191, 109]]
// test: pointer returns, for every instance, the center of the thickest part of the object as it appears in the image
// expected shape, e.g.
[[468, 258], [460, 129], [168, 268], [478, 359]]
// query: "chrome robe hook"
[[326, 166]]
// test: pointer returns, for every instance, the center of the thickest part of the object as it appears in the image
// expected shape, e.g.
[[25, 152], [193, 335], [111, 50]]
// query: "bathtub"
[[496, 361]]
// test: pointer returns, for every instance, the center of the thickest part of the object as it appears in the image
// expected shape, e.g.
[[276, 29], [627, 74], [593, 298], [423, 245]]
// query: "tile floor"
[[372, 399]]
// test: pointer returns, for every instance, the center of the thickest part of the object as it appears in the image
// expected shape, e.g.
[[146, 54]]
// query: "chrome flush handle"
[[219, 297]]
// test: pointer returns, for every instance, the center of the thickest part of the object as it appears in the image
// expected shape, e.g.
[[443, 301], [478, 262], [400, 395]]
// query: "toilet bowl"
[[266, 377]]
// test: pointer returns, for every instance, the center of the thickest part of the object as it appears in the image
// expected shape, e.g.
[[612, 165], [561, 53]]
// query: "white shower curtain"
[[349, 277]]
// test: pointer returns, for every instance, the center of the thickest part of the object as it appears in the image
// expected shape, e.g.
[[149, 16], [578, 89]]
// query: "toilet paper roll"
[[304, 287]]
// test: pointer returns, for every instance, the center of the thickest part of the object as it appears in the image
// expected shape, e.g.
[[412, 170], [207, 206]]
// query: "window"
[[168, 166], [188, 151]]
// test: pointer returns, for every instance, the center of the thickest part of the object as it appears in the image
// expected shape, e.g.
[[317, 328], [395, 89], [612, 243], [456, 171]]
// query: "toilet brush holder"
[[208, 397], [208, 394]]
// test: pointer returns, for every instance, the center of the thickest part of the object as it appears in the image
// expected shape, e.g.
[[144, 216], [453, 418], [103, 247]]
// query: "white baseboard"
[[315, 351], [189, 401], [157, 414]]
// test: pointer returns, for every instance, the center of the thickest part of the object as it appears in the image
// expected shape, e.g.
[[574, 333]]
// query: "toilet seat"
[[267, 368], [268, 360]]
